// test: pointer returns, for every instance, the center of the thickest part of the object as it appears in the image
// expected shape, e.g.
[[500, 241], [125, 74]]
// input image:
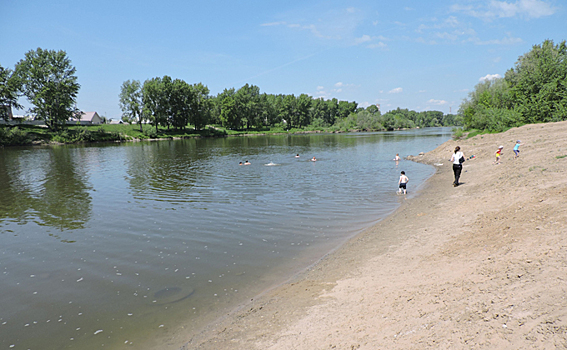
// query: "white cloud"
[[373, 42], [504, 41], [363, 39], [437, 102], [502, 9], [396, 91], [525, 8], [490, 77], [271, 24], [330, 24], [378, 45], [422, 91], [338, 88], [448, 30]]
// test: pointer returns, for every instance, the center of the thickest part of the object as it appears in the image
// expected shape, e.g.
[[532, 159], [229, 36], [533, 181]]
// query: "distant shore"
[[35, 135], [480, 266]]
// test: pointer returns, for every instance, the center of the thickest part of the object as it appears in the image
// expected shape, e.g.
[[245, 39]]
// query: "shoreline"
[[43, 143], [467, 271]]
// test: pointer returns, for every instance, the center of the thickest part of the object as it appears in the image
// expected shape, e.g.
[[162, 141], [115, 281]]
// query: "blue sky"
[[421, 55]]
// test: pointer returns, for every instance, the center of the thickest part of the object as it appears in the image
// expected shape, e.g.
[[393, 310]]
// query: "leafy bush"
[[84, 134], [14, 137], [495, 119], [150, 132], [457, 133], [534, 91]]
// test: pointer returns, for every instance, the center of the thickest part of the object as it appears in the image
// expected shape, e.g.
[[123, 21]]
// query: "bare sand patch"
[[479, 266]]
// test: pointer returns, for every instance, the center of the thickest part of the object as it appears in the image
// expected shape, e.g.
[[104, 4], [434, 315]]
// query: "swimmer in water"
[[240, 163], [397, 157], [297, 155], [247, 163], [313, 159]]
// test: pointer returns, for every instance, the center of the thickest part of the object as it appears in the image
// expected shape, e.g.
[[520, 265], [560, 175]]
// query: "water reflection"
[[164, 171], [47, 186], [15, 199]]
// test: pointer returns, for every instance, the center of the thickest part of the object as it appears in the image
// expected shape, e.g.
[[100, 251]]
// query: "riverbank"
[[481, 265], [36, 135]]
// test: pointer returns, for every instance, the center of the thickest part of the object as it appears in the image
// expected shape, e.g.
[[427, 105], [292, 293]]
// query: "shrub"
[[13, 137]]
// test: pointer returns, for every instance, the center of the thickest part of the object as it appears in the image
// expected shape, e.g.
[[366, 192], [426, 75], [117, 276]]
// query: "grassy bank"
[[33, 134]]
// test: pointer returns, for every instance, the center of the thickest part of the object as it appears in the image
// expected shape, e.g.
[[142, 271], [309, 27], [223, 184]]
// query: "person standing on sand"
[[402, 183], [457, 166], [497, 154], [517, 149]]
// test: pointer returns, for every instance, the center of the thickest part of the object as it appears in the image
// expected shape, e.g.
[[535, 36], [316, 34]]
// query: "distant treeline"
[[171, 102], [48, 80], [534, 91]]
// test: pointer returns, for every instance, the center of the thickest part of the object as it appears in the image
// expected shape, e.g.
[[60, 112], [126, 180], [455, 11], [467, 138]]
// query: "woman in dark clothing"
[[457, 166]]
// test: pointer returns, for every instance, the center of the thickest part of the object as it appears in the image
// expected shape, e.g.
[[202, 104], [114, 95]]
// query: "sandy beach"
[[479, 266]]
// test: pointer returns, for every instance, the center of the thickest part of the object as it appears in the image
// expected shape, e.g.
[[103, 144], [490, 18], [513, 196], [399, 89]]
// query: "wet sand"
[[479, 266]]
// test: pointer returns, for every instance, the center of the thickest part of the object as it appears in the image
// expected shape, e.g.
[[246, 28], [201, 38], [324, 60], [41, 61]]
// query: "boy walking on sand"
[[402, 183], [517, 149]]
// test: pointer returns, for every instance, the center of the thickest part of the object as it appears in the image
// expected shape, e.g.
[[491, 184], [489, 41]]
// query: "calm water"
[[119, 245]]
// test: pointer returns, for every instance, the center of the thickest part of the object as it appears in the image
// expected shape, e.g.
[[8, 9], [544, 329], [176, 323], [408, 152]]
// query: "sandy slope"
[[480, 266]]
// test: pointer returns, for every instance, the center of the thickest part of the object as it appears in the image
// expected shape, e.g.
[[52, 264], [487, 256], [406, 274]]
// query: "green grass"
[[27, 134], [475, 132], [559, 157], [457, 133]]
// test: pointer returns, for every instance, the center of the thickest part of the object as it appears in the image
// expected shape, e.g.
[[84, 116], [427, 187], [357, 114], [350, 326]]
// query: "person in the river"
[[402, 183]]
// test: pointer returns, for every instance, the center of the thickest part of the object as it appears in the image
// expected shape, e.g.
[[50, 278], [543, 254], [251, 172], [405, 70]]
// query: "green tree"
[[229, 115], [248, 98], [303, 106], [332, 111], [216, 105], [288, 111], [200, 106], [179, 98], [269, 108], [10, 87], [373, 109], [154, 98], [538, 83], [131, 102], [345, 108], [50, 84], [318, 111]]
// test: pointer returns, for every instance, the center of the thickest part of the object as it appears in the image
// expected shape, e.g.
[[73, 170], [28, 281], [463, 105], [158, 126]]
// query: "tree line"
[[533, 91], [47, 79], [174, 103]]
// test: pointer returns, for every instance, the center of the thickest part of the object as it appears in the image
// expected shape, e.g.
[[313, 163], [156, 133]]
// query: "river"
[[116, 245]]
